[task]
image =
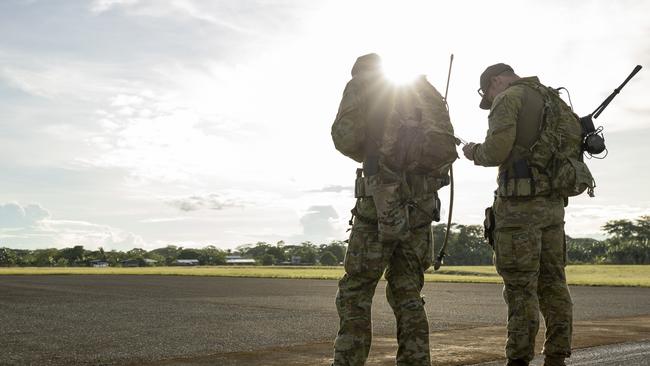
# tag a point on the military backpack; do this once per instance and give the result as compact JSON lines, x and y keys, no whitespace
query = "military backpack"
{"x":418,"y":136}
{"x":554,"y":163}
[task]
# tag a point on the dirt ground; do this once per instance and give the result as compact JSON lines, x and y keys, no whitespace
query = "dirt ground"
{"x":453,"y":347}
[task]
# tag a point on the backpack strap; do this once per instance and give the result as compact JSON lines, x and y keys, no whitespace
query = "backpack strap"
{"x":379,"y":100}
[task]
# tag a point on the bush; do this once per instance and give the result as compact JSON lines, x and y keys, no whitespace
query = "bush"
{"x":328,"y":259}
{"x":267,"y":260}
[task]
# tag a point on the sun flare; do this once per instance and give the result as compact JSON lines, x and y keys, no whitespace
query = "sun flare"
{"x":399,"y":70}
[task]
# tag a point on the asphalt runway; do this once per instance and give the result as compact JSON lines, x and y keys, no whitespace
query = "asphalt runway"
{"x":623,"y":354}
{"x":116,"y":320}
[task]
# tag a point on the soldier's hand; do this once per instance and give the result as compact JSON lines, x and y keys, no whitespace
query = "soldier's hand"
{"x":468,"y":150}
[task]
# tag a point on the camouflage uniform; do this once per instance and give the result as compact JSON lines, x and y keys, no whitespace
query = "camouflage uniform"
{"x":369,"y":254}
{"x":530,"y":248}
{"x":365,"y":262}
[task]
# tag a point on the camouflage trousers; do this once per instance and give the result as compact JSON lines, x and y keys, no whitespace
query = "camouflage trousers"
{"x":404,"y":263}
{"x":530,"y":256}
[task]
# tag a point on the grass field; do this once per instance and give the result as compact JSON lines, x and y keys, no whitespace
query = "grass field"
{"x":589,"y":275}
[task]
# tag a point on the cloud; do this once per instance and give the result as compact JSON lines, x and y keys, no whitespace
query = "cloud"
{"x":156,"y":220}
{"x":174,"y":9}
{"x":250,"y":18}
{"x":68,"y":232}
{"x":13,"y":215}
{"x":163,"y":135}
{"x":66,"y":80}
{"x":213,"y":201}
{"x":320,"y":222}
{"x":586,"y":220}
{"x":100,"y":6}
{"x":32,"y":226}
{"x":333,"y":188}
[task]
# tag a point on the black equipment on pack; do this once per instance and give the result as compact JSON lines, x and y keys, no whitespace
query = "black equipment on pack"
{"x":593,"y":141}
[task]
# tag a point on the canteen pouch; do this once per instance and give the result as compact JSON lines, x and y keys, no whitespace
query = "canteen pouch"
{"x":571,"y":177}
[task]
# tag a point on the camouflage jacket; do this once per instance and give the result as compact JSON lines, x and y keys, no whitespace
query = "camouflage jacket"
{"x":502,"y":135}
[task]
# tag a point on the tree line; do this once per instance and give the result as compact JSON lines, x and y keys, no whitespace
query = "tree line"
{"x":263,"y":253}
{"x":627,"y":243}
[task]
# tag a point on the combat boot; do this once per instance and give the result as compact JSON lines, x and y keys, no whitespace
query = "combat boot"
{"x":516,"y":363}
{"x":554,"y":361}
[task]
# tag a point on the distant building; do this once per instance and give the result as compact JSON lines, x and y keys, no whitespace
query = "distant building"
{"x":186,"y":262}
{"x":130,"y":263}
{"x":150,"y":262}
{"x":238,"y":260}
{"x":98,"y":263}
{"x":296,"y":260}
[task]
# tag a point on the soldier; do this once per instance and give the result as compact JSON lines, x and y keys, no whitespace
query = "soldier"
{"x":403,"y":137}
{"x":529,"y":126}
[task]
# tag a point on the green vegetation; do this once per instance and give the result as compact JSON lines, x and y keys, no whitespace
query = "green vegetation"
{"x":590,"y":275}
{"x":263,"y":253}
{"x":627,"y":244}
{"x":586,"y":274}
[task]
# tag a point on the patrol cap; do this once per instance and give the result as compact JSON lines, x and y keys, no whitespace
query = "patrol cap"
{"x":486,"y":76}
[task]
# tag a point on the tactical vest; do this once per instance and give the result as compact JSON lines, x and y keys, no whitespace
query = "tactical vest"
{"x":546,"y":157}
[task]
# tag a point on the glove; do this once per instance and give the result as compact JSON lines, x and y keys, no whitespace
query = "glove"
{"x":468,"y":150}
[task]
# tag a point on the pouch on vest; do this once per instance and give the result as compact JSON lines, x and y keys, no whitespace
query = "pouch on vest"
{"x":571,"y":177}
{"x":423,"y":210}
{"x":517,"y":181}
{"x":360,"y":185}
{"x":392,"y":213}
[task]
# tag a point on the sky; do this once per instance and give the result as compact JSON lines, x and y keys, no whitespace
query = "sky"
{"x":145,"y":123}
